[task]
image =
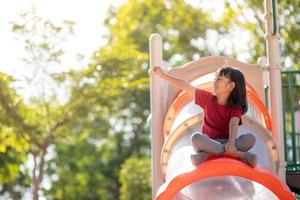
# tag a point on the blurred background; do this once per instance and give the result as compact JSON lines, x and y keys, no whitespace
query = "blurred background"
{"x":74,"y":85}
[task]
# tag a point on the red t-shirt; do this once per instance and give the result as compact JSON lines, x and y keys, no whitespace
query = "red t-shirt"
{"x":216,"y":117}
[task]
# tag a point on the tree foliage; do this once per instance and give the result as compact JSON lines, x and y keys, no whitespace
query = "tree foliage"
{"x":135,"y":180}
{"x":37,"y":121}
{"x":249,"y":18}
{"x":110,"y":98}
{"x":14,"y":141}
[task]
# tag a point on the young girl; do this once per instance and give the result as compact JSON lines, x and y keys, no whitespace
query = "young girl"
{"x":222,"y":116}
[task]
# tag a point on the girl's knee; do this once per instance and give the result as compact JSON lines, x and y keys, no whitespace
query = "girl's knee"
{"x":198,"y":137}
{"x":250,"y":139}
{"x":194,"y":137}
{"x":245,"y":142}
{"x":202,"y":142}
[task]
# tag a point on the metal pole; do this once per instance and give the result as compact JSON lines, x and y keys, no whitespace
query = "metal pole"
{"x":157,"y":112}
{"x":274,"y":67}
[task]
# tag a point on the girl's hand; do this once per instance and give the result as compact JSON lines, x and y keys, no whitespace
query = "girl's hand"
{"x":156,"y":70}
{"x":230,"y":149}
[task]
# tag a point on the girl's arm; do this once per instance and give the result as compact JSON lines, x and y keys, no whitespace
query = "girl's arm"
{"x":230,"y":147}
{"x":233,"y":128}
{"x":177,"y":82}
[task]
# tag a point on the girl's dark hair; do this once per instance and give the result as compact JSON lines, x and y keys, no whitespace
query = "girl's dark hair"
{"x":238,"y":96}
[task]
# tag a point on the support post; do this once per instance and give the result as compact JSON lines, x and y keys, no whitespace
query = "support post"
{"x":157,"y":112}
{"x":275,"y":87}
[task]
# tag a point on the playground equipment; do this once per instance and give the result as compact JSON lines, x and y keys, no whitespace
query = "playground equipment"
{"x":175,"y":117}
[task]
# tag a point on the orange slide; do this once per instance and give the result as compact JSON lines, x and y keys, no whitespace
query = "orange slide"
{"x":220,"y":177}
{"x":223,"y":174}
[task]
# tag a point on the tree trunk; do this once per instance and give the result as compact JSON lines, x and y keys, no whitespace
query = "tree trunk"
{"x":13,"y":195}
{"x":37,"y":179}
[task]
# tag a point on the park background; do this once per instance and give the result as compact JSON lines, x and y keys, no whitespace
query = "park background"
{"x":74,"y":85}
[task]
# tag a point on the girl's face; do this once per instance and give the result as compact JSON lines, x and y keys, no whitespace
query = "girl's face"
{"x":222,"y":85}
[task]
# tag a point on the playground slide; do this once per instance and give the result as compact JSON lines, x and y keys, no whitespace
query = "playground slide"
{"x":219,"y":177}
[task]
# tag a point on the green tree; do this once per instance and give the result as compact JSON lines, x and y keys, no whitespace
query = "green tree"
{"x":249,"y":18}
{"x":45,"y":114}
{"x":14,"y":141}
{"x":110,"y":98}
{"x":135,"y":180}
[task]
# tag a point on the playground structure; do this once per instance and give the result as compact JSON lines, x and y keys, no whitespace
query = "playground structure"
{"x":175,"y":117}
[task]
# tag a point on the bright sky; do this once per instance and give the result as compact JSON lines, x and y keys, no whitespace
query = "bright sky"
{"x":88,"y":15}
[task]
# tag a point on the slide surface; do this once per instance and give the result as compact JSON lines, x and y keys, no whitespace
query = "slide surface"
{"x":220,"y":178}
